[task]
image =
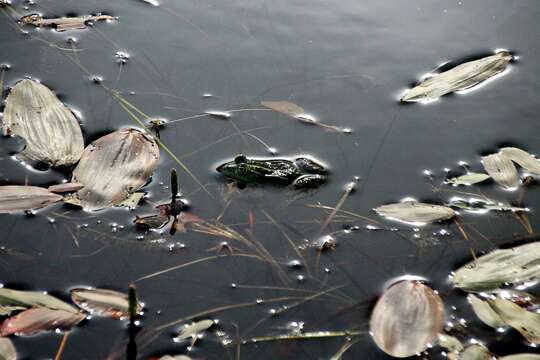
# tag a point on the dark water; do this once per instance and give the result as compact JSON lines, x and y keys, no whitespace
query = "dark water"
{"x":344,"y":61}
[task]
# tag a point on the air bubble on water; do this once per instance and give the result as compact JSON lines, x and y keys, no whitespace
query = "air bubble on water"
{"x":462,"y":163}
{"x":427,"y":172}
{"x":272,"y":150}
{"x":5,"y":67}
{"x":294,"y":263}
{"x":233,"y":285}
{"x":140,"y":237}
{"x":346,"y":131}
{"x":259,"y":301}
{"x":300,"y":278}
{"x":96,"y":79}
{"x":272,"y":311}
{"x":51,"y":220}
{"x":207,"y":95}
{"x":327,"y":270}
{"x":372,"y":227}
{"x":71,"y":40}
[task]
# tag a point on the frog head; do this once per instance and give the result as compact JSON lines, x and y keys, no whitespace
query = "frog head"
{"x":238,"y":170}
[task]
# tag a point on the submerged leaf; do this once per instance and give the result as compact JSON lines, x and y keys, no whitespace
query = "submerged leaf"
{"x":15,"y":198}
{"x":468,"y":179}
{"x":65,"y":188}
{"x":461,"y":77}
{"x":525,"y":321}
{"x":415,"y":212}
{"x":501,"y":169}
{"x":483,"y":310}
{"x":523,"y":159}
{"x":51,"y":131}
{"x":113,"y":167}
{"x":17,"y":300}
{"x":151,"y":221}
{"x":407,"y":319}
{"x":36,"y":320}
{"x":101,"y":302}
{"x":7,"y":350}
{"x":63,"y":23}
{"x":132,"y":201}
{"x":509,"y":266}
{"x":194,"y":329}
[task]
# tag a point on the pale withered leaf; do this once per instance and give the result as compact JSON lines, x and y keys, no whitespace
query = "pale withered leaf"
{"x":65,"y":188}
{"x":7,"y":350}
{"x":113,"y":167}
{"x":524,"y":321}
{"x":523,"y":159}
{"x":101,"y":302}
{"x":37,"y":320}
{"x":16,"y":198}
{"x":509,"y":266}
{"x":475,"y":352}
{"x":501,"y":169}
{"x":452,"y":345}
{"x":415,"y":212}
{"x":63,"y":23}
{"x":51,"y":132}
{"x":484,"y":312}
{"x":461,"y":77}
{"x":407,"y":319}
{"x":521,"y":357}
{"x":468,"y":179}
{"x":194,"y":329}
{"x":11,"y":300}
{"x":285,"y":107}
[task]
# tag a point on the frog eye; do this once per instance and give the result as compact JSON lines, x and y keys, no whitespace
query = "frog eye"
{"x":242,"y":169}
{"x":240,"y":159}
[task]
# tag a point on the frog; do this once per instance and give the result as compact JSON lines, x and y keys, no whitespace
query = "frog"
{"x":300,"y":172}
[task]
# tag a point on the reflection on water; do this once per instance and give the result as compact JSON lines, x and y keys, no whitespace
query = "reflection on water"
{"x":312,"y":259}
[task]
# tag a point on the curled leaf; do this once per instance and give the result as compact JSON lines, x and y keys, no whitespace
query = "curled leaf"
{"x":113,"y":167}
{"x":525,"y":321}
{"x":516,"y":266}
{"x":483,"y":310}
{"x":15,"y":198}
{"x":101,"y":302}
{"x":468,"y":179}
{"x":52,"y":134}
{"x":415,"y":212}
{"x":65,"y":188}
{"x":63,"y":23}
{"x":11,"y":300}
{"x":37,"y":320}
{"x":461,"y":77}
{"x":407,"y":319}
{"x":194,"y":329}
{"x":523,"y":159}
{"x":501,"y":169}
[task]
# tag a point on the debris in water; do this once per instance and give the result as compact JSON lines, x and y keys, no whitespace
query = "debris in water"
{"x":468,"y":179}
{"x":193,"y":330}
{"x":415,"y":212}
{"x":407,"y":319}
{"x":113,"y":167}
{"x":102,"y":302}
{"x":36,"y":320}
{"x":52,"y":134}
{"x":514,"y":266}
{"x":64,"y":23}
{"x":501,"y":169}
{"x":461,"y":77}
{"x":16,"y":198}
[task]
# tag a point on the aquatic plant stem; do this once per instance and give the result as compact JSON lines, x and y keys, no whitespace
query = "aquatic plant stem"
{"x":62,"y":346}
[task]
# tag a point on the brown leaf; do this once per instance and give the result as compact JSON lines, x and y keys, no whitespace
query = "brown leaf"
{"x":63,"y":23}
{"x":407,"y":318}
{"x":113,"y":167}
{"x":15,"y":198}
{"x":284,"y":107}
{"x":501,"y":169}
{"x":64,"y":188}
{"x":37,"y":320}
{"x":101,"y":302}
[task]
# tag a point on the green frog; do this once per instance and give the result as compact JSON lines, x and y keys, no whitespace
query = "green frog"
{"x":300,"y":172}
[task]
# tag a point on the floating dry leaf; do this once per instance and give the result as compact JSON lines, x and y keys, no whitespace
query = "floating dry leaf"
{"x":194,"y":329}
{"x":407,"y":319}
{"x":523,"y":159}
{"x":525,"y":321}
{"x":36,"y":320}
{"x":501,"y":169}
{"x":452,"y":345}
{"x":113,"y":167}
{"x":475,"y":352}
{"x":480,"y":205}
{"x":65,"y":188}
{"x":63,"y":23}
{"x":11,"y":300}
{"x":461,"y":77}
{"x":483,"y":310}
{"x":415,"y":212}
{"x":468,"y":179}
{"x":515,"y":266}
{"x":132,"y":201}
{"x":15,"y":198}
{"x":521,"y":357}
{"x":101,"y":302}
{"x":285,"y":107}
{"x":7,"y":350}
{"x":52,"y":134}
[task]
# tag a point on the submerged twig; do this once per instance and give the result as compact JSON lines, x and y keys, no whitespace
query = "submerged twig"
{"x":349,"y":188}
{"x":308,"y":335}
